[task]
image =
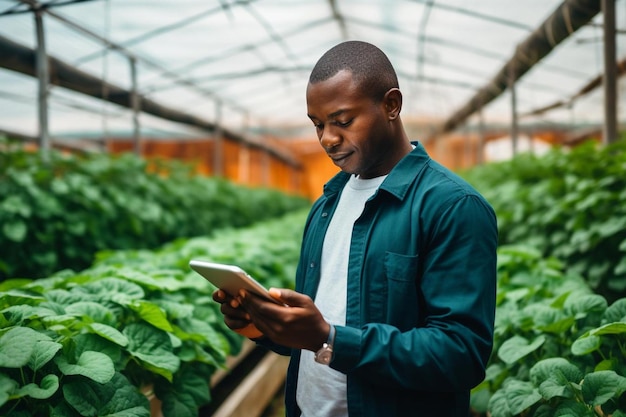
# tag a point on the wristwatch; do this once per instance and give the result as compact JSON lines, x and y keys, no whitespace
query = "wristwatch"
{"x":325,"y":354}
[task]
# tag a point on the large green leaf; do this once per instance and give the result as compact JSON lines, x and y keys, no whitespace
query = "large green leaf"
{"x":556,"y":377}
{"x":521,"y":395}
{"x":17,"y":345}
{"x":559,"y":368}
{"x":620,"y":268}
{"x":616,"y":311}
{"x":188,"y":392}
{"x":86,"y":342}
{"x":151,"y":313}
{"x":117,"y":398}
{"x":571,"y":408}
{"x":479,"y":400}
{"x":93,"y":365}
{"x":175,"y":309}
{"x":64,"y":297}
{"x":92,"y":311}
{"x":579,"y":305}
{"x":18,"y":314}
{"x":586,"y":344}
{"x":611,"y":328}
{"x":148,"y":280}
{"x":15,"y":204}
{"x":179,"y":404}
{"x":111,"y":289}
{"x":17,"y":296}
{"x":43,"y":352}
{"x":7,"y":386}
{"x":517,"y":347}
{"x":15,"y":231}
{"x":552,"y":388}
{"x":153,"y":348}
{"x":49,"y":385}
{"x":599,"y":387}
{"x":109,"y":333}
{"x":498,"y":405}
{"x":549,"y":319}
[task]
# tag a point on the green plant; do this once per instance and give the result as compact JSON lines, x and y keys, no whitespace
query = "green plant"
{"x":91,"y":343}
{"x":570,"y":204}
{"x":559,"y":348}
{"x":57,"y":214}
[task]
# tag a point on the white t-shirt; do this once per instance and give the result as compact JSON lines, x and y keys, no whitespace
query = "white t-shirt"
{"x":322,"y":390}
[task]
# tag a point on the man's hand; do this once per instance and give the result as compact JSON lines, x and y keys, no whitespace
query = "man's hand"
{"x":235,"y":317}
{"x":298,"y":324}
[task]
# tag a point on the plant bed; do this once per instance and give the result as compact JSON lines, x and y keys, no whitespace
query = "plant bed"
{"x":82,"y":344}
{"x":250,"y":387}
{"x":570,"y":204}
{"x":58,"y":213}
{"x":560,"y":349}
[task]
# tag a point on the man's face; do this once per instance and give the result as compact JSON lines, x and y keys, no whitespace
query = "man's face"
{"x":352,"y":127}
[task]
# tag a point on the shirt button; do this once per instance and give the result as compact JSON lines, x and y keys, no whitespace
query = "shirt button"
{"x":324,"y":214}
{"x":312,"y":265}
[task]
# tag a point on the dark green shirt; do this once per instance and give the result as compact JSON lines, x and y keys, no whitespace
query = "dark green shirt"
{"x":421,"y":292}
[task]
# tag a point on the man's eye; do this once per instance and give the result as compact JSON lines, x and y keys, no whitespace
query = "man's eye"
{"x":343,"y":124}
{"x":318,"y":126}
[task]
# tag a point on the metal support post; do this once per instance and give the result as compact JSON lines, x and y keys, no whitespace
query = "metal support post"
{"x":135,"y":103}
{"x":244,"y":155}
{"x":609,"y":133}
{"x":514,"y":132}
{"x":480,"y":151}
{"x":218,"y":150}
{"x":43,"y":75}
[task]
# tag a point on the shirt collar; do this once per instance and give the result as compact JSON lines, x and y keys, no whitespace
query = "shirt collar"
{"x":399,"y":179}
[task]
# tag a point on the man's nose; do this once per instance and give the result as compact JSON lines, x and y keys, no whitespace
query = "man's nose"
{"x":329,"y":139}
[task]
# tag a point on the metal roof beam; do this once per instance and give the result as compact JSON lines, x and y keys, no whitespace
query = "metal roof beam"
{"x":570,"y":16}
{"x":338,"y":18}
{"x":21,"y":59}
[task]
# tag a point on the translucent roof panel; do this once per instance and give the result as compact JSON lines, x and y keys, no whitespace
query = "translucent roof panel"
{"x":245,"y":64}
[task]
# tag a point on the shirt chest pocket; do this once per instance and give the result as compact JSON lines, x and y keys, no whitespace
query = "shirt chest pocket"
{"x":402,"y":273}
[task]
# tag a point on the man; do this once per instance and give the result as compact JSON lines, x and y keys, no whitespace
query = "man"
{"x":399,"y":256}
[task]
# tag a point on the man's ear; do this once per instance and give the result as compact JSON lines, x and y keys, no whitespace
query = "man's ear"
{"x":393,"y":103}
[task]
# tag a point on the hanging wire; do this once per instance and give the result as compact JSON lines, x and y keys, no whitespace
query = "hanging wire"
{"x":105,"y":70}
{"x":481,"y":16}
{"x":240,"y":49}
{"x":27,"y":6}
{"x":275,"y":37}
{"x":421,"y":38}
{"x":168,"y":28}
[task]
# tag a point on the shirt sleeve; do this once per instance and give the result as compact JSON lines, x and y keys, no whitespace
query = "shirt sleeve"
{"x":450,"y":350}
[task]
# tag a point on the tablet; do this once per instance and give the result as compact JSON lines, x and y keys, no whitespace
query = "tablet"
{"x":230,"y":278}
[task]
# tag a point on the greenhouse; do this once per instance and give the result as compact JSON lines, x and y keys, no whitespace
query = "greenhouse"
{"x":434,"y":191}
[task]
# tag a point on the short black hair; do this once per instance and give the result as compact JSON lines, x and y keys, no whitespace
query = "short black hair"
{"x":369,"y":66}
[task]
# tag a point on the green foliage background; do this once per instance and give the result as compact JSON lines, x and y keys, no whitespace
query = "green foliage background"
{"x":57,"y":214}
{"x":142,"y":317}
{"x":560,"y":349}
{"x":570,"y":204}
{"x":85,"y":344}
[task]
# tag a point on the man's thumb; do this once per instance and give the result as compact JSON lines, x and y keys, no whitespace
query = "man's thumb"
{"x":282,"y":295}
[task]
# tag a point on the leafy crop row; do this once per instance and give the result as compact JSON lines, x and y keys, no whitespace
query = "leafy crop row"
{"x":560,"y":349}
{"x":568,"y":204}
{"x":58,"y":214}
{"x":86,"y":344}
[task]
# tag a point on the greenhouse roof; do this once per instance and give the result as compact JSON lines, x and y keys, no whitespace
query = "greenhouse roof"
{"x":245,"y":64}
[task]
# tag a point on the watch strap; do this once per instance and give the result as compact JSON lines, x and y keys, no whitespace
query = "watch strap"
{"x":331,"y":336}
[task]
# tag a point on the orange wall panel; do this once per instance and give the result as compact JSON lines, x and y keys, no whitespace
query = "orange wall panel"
{"x":239,"y":163}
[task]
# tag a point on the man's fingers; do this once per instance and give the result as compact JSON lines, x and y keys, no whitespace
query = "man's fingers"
{"x":290,"y":297}
{"x":249,"y":331}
